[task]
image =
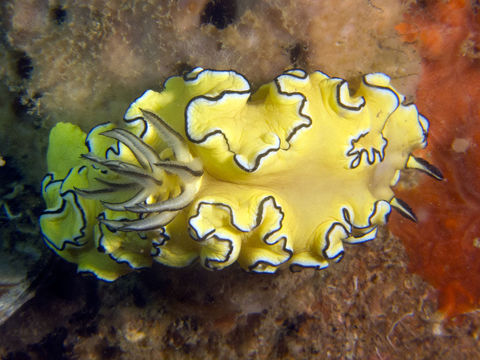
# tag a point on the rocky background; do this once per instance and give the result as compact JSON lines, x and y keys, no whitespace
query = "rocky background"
{"x":84,"y":62}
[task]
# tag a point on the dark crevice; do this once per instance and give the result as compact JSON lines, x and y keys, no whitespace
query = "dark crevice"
{"x":22,"y":106}
{"x":298,"y":55}
{"x":219,"y":13}
{"x":183,"y":68}
{"x":24,"y":66}
{"x":9,"y":174}
{"x":51,"y":346}
{"x":107,"y":352}
{"x":58,"y":15}
{"x":17,"y":355}
{"x":139,"y":298}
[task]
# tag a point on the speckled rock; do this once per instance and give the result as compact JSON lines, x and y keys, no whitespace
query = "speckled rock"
{"x":84,"y":62}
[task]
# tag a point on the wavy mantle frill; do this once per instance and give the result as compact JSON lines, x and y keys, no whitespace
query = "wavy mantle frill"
{"x":206,"y":169}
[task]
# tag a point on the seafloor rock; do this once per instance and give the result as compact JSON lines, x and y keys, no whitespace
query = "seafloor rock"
{"x":90,"y":58}
{"x":368,"y":306}
{"x":23,"y":258}
{"x":444,"y":248}
{"x":84,"y":62}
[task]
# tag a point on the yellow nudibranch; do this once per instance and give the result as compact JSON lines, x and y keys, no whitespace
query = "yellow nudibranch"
{"x":207,"y":169}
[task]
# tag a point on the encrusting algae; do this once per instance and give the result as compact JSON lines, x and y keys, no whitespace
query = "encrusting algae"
{"x":208,"y":170}
{"x":446,"y":252}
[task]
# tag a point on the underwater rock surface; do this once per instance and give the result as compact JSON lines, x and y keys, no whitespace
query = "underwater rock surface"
{"x":366,"y":305}
{"x":89,"y":58}
{"x":83,"y":62}
{"x":23,"y":259}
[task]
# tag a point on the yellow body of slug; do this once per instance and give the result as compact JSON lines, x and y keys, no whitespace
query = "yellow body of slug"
{"x":208,"y":170}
